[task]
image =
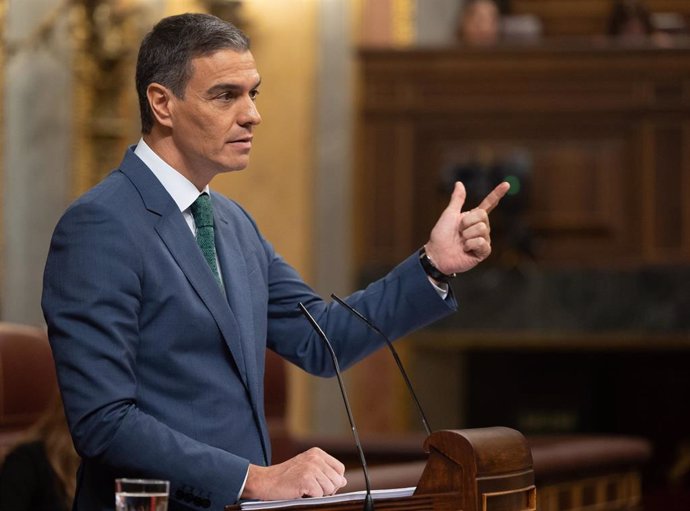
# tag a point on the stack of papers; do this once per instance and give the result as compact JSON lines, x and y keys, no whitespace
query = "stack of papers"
{"x":354,"y":496}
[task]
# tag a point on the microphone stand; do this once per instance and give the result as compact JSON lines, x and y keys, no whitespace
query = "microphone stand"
{"x":368,"y":500}
{"x":359,"y":316}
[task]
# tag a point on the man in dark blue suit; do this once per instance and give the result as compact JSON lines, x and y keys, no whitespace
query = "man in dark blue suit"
{"x":160,"y":308}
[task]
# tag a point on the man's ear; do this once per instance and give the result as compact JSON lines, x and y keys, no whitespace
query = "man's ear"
{"x":161,"y":99}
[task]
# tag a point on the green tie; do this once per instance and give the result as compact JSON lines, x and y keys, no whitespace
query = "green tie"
{"x":202,"y":210}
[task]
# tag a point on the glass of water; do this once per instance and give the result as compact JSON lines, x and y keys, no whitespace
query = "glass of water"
{"x":141,"y":495}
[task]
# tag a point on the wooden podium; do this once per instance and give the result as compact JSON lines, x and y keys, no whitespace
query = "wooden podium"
{"x":486,"y":469}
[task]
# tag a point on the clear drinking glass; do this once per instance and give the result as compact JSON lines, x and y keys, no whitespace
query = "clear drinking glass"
{"x":141,"y":495}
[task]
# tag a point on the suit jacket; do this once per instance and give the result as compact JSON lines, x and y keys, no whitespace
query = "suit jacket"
{"x":161,"y":370}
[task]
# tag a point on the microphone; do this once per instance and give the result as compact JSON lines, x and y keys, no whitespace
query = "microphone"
{"x":368,"y":500}
{"x":376,"y":329}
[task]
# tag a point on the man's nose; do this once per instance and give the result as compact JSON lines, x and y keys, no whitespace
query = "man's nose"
{"x":250,"y":113}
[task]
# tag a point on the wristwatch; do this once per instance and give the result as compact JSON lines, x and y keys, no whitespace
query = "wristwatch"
{"x":431,"y":270}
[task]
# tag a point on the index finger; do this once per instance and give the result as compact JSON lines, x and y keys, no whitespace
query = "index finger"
{"x":494,"y":197}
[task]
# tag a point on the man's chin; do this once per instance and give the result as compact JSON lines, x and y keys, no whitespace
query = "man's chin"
{"x":234,"y":167}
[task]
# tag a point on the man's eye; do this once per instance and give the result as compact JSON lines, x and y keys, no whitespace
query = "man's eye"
{"x":226,"y":96}
{"x":253,"y":94}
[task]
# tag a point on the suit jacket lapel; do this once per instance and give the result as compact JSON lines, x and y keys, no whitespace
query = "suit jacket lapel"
{"x":175,"y":233}
{"x":237,"y":288}
{"x":184,"y":249}
{"x":237,"y":283}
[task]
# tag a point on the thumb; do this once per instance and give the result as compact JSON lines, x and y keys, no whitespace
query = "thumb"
{"x":457,"y":199}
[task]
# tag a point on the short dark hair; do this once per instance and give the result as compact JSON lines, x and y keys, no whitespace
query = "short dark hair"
{"x":166,"y":53}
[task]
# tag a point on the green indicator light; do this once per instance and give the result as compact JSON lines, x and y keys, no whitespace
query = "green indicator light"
{"x":514,"y":185}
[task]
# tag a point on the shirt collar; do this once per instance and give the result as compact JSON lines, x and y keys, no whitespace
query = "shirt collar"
{"x":181,"y":189}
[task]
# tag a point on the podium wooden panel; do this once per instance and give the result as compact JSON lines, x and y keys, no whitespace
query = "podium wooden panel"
{"x":485,"y":469}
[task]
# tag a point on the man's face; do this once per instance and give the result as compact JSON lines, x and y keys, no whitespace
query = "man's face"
{"x":212,"y":124}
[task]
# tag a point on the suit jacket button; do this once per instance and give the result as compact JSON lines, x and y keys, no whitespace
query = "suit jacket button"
{"x":205,"y":503}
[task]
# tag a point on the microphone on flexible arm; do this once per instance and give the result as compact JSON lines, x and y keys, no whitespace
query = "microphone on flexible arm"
{"x":368,"y":500}
{"x":376,"y":329}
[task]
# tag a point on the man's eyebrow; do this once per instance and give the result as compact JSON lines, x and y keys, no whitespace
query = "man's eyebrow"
{"x":224,"y":87}
{"x":229,"y":87}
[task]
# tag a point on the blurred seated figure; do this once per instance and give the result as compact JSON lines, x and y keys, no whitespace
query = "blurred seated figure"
{"x":480,"y":23}
{"x":39,"y":473}
{"x":630,"y":21}
{"x":27,"y":380}
{"x":521,"y":28}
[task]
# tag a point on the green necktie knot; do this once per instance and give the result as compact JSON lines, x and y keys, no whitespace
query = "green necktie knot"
{"x":202,"y":211}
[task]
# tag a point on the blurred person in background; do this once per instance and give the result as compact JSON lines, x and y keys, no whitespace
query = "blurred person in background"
{"x":480,"y":23}
{"x":39,"y":473}
{"x":630,"y":21}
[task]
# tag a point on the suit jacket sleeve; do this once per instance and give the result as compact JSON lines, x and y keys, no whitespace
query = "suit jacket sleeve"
{"x":399,"y":303}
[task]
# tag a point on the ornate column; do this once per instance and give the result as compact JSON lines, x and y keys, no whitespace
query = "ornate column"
{"x":36,"y":157}
{"x":106,"y":120}
{"x":3,"y":187}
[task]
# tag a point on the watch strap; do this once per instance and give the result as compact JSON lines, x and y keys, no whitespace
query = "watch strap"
{"x":431,"y":270}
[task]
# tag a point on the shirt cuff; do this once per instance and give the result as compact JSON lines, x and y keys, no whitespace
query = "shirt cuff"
{"x":441,"y":288}
{"x":239,"y":495}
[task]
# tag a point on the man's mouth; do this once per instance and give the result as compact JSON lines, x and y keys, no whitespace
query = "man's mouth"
{"x":243,"y":142}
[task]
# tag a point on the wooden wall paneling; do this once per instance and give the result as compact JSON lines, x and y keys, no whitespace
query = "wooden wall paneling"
{"x":587,"y":117}
{"x":685,"y":187}
{"x":666,"y":179}
{"x":547,"y":79}
{"x":668,"y":190}
{"x":581,"y":190}
{"x":586,"y":200}
{"x":372,"y":185}
{"x":402,"y":185}
{"x":385,"y":181}
{"x":646,"y":199}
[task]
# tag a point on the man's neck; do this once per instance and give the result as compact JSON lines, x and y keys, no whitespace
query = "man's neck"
{"x":164,"y":147}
